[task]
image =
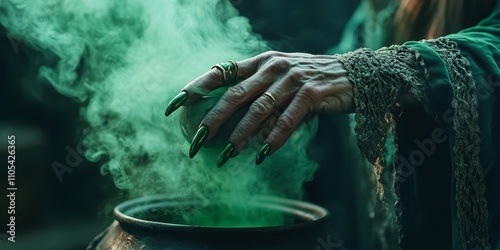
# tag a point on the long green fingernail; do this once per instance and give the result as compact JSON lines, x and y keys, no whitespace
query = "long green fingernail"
{"x":225,"y":155}
{"x":263,"y":153}
{"x":176,"y":102}
{"x":199,"y":138}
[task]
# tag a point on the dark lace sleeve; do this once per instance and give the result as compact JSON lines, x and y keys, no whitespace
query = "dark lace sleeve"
{"x":380,"y":79}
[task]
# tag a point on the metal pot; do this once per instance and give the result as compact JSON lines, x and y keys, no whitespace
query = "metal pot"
{"x":146,"y":223}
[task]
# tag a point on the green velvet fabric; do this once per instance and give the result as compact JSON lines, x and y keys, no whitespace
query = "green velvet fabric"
{"x":480,"y":45}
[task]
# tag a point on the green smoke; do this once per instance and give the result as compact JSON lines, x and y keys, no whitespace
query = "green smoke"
{"x":124,"y":60}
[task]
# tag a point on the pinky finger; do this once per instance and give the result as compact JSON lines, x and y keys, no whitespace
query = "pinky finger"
{"x":286,"y":124}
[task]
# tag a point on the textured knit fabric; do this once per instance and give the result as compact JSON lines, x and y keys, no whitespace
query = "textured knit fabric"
{"x":458,"y":73}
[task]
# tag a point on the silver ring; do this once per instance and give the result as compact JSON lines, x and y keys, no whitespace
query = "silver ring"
{"x":271,"y":98}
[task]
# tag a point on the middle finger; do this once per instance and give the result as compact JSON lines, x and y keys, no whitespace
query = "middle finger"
{"x":235,"y":97}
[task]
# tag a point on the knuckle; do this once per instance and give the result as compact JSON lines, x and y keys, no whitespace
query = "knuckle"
{"x":285,"y":124}
{"x":295,"y":75}
{"x":258,"y":110}
{"x":270,"y":54}
{"x":274,"y":60}
{"x":236,"y":94}
{"x":308,"y":91}
{"x":278,"y":64}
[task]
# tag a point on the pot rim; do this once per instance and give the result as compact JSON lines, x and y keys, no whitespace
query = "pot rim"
{"x":310,"y":213}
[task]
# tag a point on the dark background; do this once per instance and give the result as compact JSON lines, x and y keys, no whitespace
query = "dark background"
{"x":67,"y":214}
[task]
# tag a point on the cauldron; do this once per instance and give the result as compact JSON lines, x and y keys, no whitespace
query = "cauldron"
{"x":152,"y":223}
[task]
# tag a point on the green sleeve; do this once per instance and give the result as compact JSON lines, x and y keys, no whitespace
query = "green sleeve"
{"x":480,"y":46}
{"x":457,"y":79}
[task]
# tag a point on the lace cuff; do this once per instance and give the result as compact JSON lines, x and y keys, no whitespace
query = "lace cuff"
{"x":380,"y":79}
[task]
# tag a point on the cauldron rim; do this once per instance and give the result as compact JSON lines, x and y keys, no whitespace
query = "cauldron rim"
{"x":317,"y":215}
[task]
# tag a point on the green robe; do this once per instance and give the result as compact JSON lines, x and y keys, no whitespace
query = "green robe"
{"x":455,"y":159}
{"x":480,"y":45}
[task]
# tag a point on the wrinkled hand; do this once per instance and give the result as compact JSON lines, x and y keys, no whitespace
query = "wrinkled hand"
{"x":300,"y":83}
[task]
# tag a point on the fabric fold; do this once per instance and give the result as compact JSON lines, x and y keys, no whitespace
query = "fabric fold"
{"x":381,"y":79}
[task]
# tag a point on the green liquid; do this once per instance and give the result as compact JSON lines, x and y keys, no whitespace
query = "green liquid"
{"x":227,"y":216}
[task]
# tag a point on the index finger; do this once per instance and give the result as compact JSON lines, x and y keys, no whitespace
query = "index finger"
{"x":214,"y":79}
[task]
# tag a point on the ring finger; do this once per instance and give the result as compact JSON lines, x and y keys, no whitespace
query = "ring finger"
{"x":266,"y":105}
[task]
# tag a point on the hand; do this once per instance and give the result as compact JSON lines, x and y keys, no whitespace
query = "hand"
{"x":300,"y":84}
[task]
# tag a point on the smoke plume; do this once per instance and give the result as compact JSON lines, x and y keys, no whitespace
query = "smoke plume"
{"x":124,"y":60}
